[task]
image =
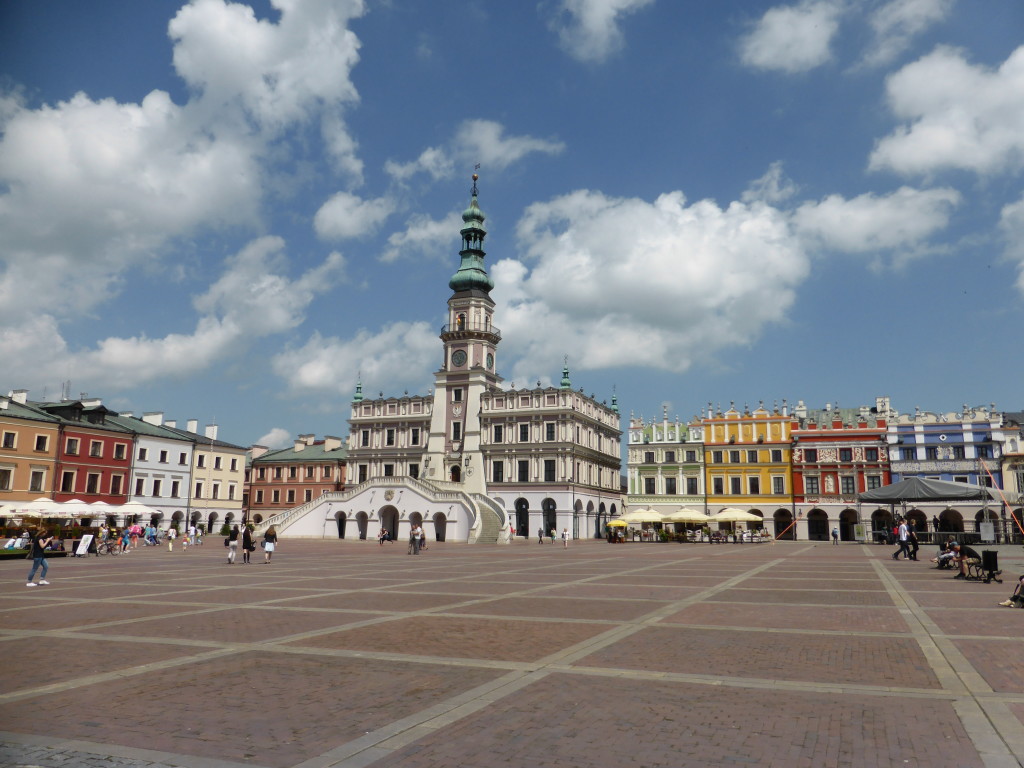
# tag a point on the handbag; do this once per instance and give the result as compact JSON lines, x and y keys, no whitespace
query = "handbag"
{"x":226,"y":542}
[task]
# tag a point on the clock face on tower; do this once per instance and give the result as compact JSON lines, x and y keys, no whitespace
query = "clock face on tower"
{"x":490,"y":361}
{"x":458,"y":358}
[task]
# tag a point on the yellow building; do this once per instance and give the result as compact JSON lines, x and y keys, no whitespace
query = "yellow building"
{"x":747,"y":464}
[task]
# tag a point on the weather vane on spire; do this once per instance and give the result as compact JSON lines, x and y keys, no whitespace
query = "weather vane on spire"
{"x":475,"y":177}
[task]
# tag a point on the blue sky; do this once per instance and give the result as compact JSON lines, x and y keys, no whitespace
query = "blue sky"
{"x":227,"y":211}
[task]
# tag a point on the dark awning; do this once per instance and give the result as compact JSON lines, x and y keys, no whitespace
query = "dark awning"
{"x":925,"y":489}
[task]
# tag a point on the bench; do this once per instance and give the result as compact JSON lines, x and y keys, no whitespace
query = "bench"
{"x":978,"y":568}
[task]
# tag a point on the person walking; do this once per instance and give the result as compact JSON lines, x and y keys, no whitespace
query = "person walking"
{"x":414,"y":540}
{"x":423,"y":537}
{"x":269,"y":544}
{"x":40,"y":542}
{"x":835,"y":537}
{"x":565,"y":538}
{"x":382,"y":536}
{"x":540,"y":535}
{"x":232,"y":545}
{"x":912,"y":538}
{"x":171,"y":533}
{"x":903,"y":534}
{"x":247,"y":544}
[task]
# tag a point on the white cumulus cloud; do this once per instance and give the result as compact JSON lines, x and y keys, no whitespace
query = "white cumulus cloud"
{"x":276,"y":438}
{"x":793,"y":38}
{"x":346,"y":215}
{"x":956,"y":116}
{"x":423,"y":236}
{"x":588,"y":30}
{"x":898,"y":22}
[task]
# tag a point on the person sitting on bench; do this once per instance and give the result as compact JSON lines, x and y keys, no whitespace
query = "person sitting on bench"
{"x":949,"y":553}
{"x":1017,"y":598}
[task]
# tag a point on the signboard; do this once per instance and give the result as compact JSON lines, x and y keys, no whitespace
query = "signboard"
{"x":988,"y":532}
{"x":860,"y":532}
{"x":83,"y":545}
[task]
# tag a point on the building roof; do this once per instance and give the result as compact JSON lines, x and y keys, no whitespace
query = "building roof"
{"x":314,"y":452}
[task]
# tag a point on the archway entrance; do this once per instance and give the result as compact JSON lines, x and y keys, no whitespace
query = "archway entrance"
{"x":440,"y":526}
{"x":456,"y":473}
{"x":847,"y":521}
{"x":523,"y":517}
{"x":389,"y":521}
{"x":340,"y":519}
{"x":817,"y":525}
{"x":951,"y":520}
{"x":550,"y":515}
{"x":784,"y":528}
{"x":362,"y":522}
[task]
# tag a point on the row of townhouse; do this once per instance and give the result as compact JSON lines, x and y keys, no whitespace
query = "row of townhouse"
{"x":803,"y":471}
{"x":80,"y":450}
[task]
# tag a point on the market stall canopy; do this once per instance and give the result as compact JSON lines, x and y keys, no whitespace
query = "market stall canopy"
{"x":686,"y":515}
{"x":734,"y":515}
{"x":617,"y":524}
{"x":643,"y":516}
{"x":926,"y":489}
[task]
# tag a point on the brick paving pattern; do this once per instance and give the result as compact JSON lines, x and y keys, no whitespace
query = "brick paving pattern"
{"x":348,"y":654}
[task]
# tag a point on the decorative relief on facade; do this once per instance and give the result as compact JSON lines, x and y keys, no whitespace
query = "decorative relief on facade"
{"x":828,"y":455}
{"x":830,"y":484}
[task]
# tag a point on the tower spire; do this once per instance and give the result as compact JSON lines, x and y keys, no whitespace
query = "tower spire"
{"x":472,"y":275}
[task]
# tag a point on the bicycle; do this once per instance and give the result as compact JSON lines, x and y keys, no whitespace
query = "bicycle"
{"x":108,"y":547}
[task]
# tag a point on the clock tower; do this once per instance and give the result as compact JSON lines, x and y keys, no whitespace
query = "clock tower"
{"x":468,"y":369}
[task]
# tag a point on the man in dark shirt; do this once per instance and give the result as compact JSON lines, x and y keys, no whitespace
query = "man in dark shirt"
{"x":40,"y":542}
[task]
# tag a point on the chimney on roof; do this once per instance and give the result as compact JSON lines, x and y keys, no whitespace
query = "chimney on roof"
{"x":126,"y":414}
{"x":171,"y":423}
{"x":211,"y":432}
{"x":192,"y":425}
{"x":258,"y":450}
{"x":331,"y":443}
{"x":300,"y":443}
{"x":156,"y":418}
{"x":19,"y":396}
{"x":5,"y":403}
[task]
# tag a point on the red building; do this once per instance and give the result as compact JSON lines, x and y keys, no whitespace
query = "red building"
{"x":838,"y":454}
{"x":289,"y":477}
{"x":94,"y":458}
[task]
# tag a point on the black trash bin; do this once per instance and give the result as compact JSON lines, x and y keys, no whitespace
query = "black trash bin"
{"x":990,"y":565}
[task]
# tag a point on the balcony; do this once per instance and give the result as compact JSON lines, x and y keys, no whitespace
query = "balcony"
{"x":470,"y":329}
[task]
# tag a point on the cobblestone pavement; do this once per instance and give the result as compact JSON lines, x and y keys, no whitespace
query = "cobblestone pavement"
{"x":349,"y":654}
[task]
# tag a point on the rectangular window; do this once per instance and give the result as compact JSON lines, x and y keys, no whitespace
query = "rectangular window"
{"x":43,"y":442}
{"x":735,"y":486}
{"x":524,"y":433}
{"x":278,"y":473}
{"x":908,"y":454}
{"x":293,"y":473}
{"x":734,"y":457}
{"x":779,"y":486}
{"x":71,"y":446}
{"x":776,"y":456}
{"x":201,"y":461}
{"x":115,"y":485}
{"x":259,"y":497}
{"x":754,"y":484}
{"x":11,"y":441}
{"x":414,"y":470}
{"x":234,"y":465}
{"x":175,"y":489}
{"x":120,"y":451}
{"x":6,"y":478}
{"x":718,"y":485}
{"x":456,"y":395}
{"x":457,"y":431}
{"x":310,"y":472}
{"x":811,"y":456}
{"x":670,"y":457}
{"x":216,"y":491}
{"x":414,"y":438}
{"x":67,"y":482}
{"x":811,"y":486}
{"x":183,"y":458}
{"x":984,"y":451}
{"x":691,"y":455}
{"x":751,"y":457}
{"x":691,"y":486}
{"x":846,"y":454}
{"x":199,"y":491}
{"x":874,"y":481}
{"x":389,"y":470}
{"x":498,"y":472}
{"x":649,"y":485}
{"x":648,"y":457}
{"x":275,"y":497}
{"x":670,"y":486}
{"x":216,"y":462}
{"x":716,"y":457}
{"x":549,"y":431}
{"x":848,"y":485}
{"x":389,"y":437}
{"x":524,"y":471}
{"x":157,"y":487}
{"x":549,"y":470}
{"x":92,"y":482}
{"x":362,"y":473}
{"x":499,"y":433}
{"x":958,"y":452}
{"x":36,"y":481}
{"x":931,"y":453}
{"x":871,"y":454}
{"x":261,"y":473}
{"x":231,"y":491}
{"x":163,"y":457}
{"x":307,"y":495}
{"x":140,"y":486}
{"x":365,"y":438}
